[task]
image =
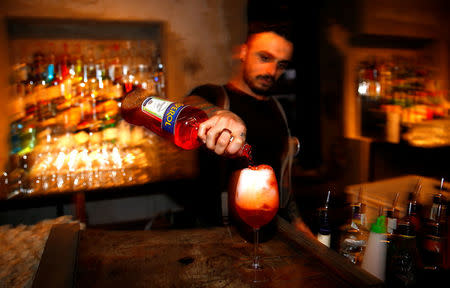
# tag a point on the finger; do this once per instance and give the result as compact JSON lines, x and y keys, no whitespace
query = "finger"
{"x":222,"y":142}
{"x":203,"y":129}
{"x":212,"y":135}
{"x":235,"y":145}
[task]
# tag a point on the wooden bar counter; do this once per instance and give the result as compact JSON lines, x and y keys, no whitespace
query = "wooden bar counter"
{"x":206,"y":257}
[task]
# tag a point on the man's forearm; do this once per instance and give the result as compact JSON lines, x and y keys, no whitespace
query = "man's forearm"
{"x":201,"y":103}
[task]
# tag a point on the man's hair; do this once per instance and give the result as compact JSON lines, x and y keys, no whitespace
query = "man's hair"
{"x":284,"y":29}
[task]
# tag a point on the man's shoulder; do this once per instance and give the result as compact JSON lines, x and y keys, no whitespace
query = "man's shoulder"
{"x":206,"y":89}
{"x":211,"y":92}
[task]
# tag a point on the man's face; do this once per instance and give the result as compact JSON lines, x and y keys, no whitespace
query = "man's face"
{"x":265,"y":57}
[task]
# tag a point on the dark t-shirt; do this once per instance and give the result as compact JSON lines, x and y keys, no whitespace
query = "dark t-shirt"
{"x":266,"y":133}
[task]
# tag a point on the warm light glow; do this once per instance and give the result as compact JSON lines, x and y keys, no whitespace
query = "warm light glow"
{"x":363,"y":87}
{"x":59,"y":162}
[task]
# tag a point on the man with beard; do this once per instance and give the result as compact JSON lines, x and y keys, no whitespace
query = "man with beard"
{"x":243,"y":111}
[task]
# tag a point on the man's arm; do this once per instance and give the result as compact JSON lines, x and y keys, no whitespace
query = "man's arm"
{"x":201,"y":103}
{"x":296,"y":219}
{"x":224,"y":132}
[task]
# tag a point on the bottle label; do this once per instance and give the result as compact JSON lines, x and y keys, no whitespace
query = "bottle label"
{"x":166,"y":112}
{"x":324,"y":239}
{"x":392,"y":225}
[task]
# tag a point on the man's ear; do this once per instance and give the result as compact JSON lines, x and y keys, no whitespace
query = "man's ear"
{"x":243,"y":52}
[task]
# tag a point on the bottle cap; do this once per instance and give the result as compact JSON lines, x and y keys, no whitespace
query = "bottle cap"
{"x":380,"y":225}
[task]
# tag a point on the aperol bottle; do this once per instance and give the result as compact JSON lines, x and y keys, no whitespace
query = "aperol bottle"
{"x":174,"y":121}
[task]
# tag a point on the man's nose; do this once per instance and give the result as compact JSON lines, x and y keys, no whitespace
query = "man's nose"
{"x":271,"y":69}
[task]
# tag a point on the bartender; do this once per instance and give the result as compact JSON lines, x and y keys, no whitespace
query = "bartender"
{"x":244,"y":111}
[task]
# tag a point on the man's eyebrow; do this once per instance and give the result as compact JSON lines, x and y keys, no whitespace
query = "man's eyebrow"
{"x":287,"y":61}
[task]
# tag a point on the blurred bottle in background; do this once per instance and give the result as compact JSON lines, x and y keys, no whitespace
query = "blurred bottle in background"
{"x":434,"y":247}
{"x":68,"y":119}
{"x":403,"y":259}
{"x":354,"y":235}
{"x":324,"y":234}
{"x":392,"y":215}
{"x":374,"y":260}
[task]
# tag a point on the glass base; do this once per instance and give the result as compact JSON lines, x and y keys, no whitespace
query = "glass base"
{"x":255,"y":272}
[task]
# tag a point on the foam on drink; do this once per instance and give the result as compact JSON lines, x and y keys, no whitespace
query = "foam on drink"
{"x":256,"y":197}
{"x":256,"y":189}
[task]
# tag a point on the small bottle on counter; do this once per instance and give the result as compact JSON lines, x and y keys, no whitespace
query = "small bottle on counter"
{"x":354,"y":236}
{"x":412,"y":208}
{"x":324,"y":234}
{"x":435,"y":235}
{"x":374,"y":260}
{"x":362,"y":206}
{"x":392,"y":216}
{"x":403,"y":259}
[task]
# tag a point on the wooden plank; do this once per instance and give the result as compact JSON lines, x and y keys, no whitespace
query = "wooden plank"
{"x":351,"y":273}
{"x":58,"y":263}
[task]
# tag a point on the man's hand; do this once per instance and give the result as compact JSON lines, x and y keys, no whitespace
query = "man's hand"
{"x":224,"y":132}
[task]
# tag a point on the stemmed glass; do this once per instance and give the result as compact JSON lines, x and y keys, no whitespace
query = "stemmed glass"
{"x":256,"y":202}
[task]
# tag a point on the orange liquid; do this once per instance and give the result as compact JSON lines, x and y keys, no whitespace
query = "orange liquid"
{"x":256,"y":217}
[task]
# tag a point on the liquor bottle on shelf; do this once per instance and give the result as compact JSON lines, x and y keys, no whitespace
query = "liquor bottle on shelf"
{"x":324,"y":234}
{"x":354,"y":237}
{"x":64,"y":63}
{"x":17,"y":113}
{"x":115,"y":65}
{"x":90,"y":65}
{"x":37,"y":68}
{"x":76,"y":65}
{"x":173,"y":121}
{"x":51,"y":70}
{"x":4,"y":184}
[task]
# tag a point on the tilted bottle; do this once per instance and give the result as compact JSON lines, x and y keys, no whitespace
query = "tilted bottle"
{"x":174,"y":121}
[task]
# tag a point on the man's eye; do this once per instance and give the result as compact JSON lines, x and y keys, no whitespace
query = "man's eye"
{"x":282,"y":66}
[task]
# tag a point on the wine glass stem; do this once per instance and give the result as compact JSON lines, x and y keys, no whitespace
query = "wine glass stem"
{"x":256,"y":264}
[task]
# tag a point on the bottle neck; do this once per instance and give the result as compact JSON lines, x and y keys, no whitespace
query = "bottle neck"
{"x":357,"y":215}
{"x":246,"y":152}
{"x":323,"y":218}
{"x":411,"y":209}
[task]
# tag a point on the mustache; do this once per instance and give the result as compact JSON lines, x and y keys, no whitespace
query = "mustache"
{"x":266,"y":77}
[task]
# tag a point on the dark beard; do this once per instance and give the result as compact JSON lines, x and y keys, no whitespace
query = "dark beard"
{"x":256,"y":90}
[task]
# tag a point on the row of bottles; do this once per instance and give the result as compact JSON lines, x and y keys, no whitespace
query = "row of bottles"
{"x":129,"y":63}
{"x":66,"y":131}
{"x":408,"y":86}
{"x":402,"y":251}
